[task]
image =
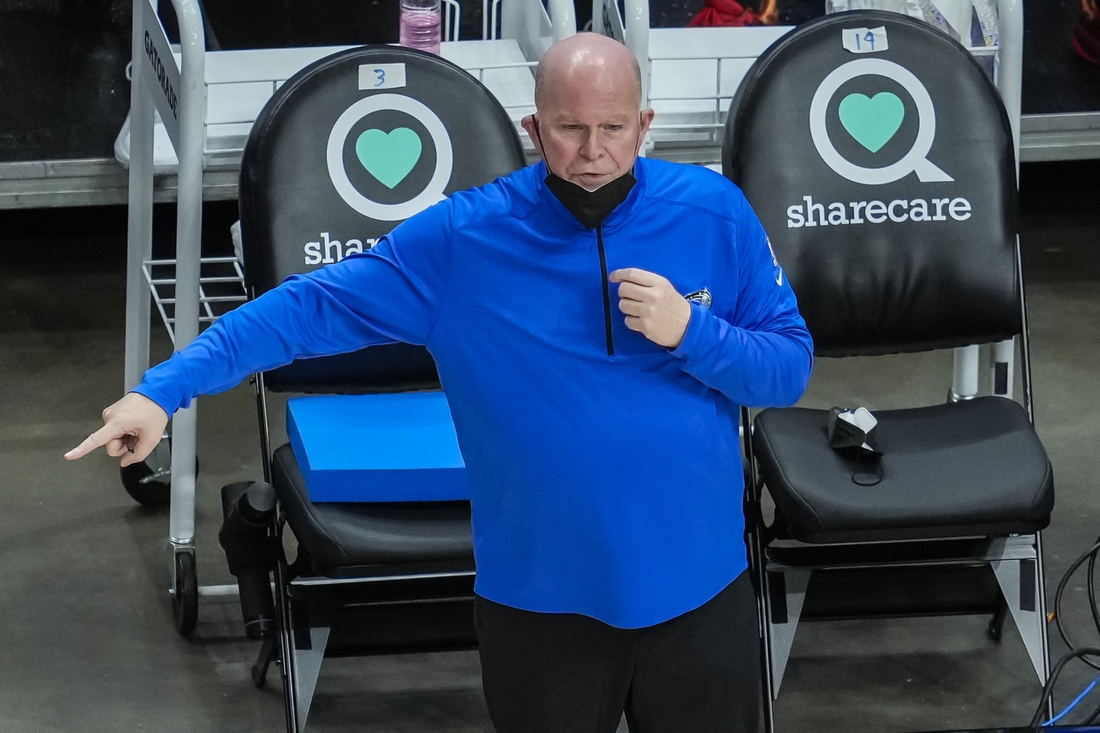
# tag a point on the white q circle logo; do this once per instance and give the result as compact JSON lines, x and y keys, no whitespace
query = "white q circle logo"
{"x":444,"y":157}
{"x":915,"y":161}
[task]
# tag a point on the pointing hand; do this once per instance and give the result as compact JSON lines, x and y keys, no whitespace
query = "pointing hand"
{"x":132,"y":427}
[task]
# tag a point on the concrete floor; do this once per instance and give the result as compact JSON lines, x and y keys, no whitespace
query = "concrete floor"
{"x":86,"y":637}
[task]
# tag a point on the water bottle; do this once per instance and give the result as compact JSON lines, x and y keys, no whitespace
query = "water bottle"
{"x":421,"y":24}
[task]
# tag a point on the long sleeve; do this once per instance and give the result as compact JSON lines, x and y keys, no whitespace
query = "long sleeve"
{"x":760,"y":354}
{"x":390,"y":293}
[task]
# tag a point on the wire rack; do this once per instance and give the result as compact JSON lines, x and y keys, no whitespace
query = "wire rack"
{"x":221,"y":288}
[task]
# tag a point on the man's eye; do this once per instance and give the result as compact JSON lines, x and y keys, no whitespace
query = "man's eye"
{"x":613,"y":128}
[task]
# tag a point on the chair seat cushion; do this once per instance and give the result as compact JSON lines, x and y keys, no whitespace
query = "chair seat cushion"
{"x":358,"y":539}
{"x":968,"y":468}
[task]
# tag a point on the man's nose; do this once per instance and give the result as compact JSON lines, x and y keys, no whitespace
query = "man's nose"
{"x":590,"y":147}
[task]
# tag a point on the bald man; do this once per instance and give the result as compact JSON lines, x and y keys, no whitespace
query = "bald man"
{"x":596,"y":319}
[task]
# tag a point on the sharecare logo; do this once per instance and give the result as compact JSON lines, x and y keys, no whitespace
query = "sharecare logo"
{"x":329,"y":250}
{"x":872,"y":121}
{"x":811,"y":214}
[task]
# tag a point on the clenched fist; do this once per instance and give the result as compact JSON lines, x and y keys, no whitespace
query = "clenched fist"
{"x":132,"y":427}
{"x":652,"y":306}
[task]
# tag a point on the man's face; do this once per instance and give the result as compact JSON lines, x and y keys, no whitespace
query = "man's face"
{"x":589,"y":127}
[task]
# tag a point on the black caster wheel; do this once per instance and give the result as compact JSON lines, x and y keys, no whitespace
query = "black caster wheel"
{"x":149,"y":482}
{"x":185,"y":596}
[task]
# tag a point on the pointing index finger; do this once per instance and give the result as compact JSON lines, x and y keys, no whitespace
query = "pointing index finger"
{"x":93,"y":441}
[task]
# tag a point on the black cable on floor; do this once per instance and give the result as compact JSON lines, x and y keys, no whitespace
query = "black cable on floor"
{"x":1048,"y":688}
{"x":1090,"y":555}
{"x":1092,"y":589}
{"x":1075,"y":652}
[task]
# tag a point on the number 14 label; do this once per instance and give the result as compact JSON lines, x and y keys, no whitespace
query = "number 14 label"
{"x":865,"y":40}
{"x":381,"y":76}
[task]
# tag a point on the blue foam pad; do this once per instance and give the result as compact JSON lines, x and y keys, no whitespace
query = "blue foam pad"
{"x":387,"y":447}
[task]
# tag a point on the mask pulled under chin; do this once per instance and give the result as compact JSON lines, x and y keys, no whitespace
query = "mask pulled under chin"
{"x":591,"y":207}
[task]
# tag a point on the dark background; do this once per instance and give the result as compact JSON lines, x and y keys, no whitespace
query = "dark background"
{"x":64,"y":94}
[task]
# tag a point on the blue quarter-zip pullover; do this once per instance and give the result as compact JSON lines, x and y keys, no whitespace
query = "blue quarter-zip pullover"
{"x":605,"y":470}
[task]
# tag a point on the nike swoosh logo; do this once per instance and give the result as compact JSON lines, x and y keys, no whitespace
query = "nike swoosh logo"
{"x":779,"y":278}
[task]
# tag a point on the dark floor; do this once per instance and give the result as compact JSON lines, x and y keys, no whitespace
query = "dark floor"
{"x":86,"y":637}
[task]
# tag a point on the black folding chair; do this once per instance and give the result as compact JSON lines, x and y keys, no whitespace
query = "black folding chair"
{"x":879,"y":157}
{"x":307,"y":198}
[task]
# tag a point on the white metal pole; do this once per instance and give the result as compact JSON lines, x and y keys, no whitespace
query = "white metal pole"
{"x":636,"y":30}
{"x":563,"y":18}
{"x":1010,"y":72}
{"x":188,"y":250}
{"x":1010,"y":64}
{"x":965,"y":383}
{"x":139,"y":225}
{"x":636,"y":35}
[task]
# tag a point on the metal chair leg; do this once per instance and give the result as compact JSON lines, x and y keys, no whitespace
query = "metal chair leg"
{"x":286,"y":647}
{"x":263,"y":661}
{"x":789,"y":589}
{"x":1022,"y":587}
{"x":997,"y":623}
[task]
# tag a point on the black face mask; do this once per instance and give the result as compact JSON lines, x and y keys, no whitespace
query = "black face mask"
{"x":589,"y":207}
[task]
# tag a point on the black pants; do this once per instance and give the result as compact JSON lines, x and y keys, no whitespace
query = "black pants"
{"x":566,"y":673}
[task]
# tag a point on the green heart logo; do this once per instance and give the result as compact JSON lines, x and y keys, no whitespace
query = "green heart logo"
{"x":391,"y":156}
{"x":872,"y":121}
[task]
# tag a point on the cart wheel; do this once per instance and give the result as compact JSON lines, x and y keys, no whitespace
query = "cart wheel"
{"x":149,"y":482}
{"x":185,"y":599}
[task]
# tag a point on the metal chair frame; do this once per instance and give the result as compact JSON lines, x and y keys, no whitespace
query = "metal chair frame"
{"x":305,"y":605}
{"x":782,"y":570}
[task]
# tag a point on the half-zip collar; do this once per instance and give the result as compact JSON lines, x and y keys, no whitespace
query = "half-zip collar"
{"x":591,"y":207}
{"x":606,"y":292}
{"x":619,"y":216}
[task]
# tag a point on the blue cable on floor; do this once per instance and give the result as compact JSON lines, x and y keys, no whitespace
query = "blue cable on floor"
{"x":1073,"y":704}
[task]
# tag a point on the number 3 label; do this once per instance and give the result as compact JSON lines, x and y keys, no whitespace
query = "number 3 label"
{"x":865,"y":40}
{"x":381,"y":76}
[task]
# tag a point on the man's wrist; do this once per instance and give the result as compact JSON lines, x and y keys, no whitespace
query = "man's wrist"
{"x":682,"y":346}
{"x":686,"y":320}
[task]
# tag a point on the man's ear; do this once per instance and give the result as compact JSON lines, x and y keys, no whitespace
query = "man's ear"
{"x":530,"y":124}
{"x":646,"y":119}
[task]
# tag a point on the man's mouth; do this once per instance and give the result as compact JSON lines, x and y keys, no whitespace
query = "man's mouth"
{"x":593,"y":178}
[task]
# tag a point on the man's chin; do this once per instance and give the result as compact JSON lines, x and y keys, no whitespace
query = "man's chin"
{"x":591,"y":183}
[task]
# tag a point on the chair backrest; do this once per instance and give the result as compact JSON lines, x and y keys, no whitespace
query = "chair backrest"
{"x":343,"y":152}
{"x":879,"y":157}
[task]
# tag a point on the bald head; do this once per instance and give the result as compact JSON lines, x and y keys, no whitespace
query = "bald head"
{"x":586,"y":60}
{"x":588,"y":125}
